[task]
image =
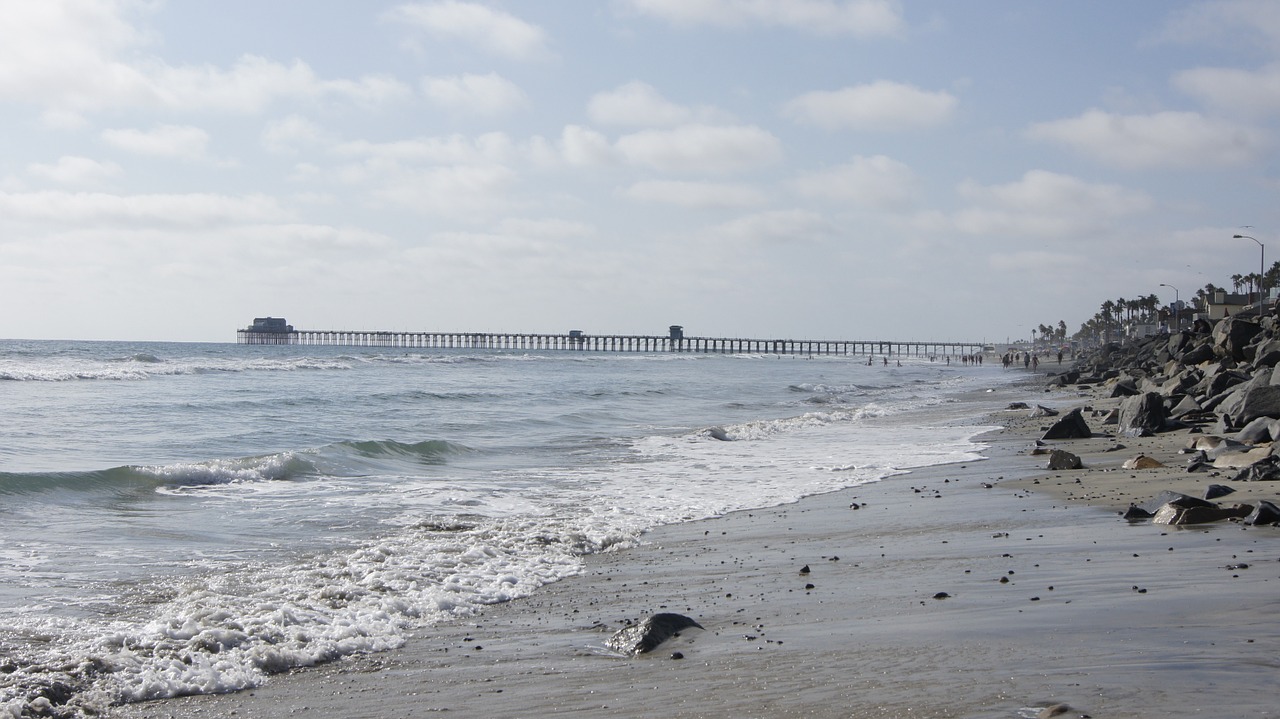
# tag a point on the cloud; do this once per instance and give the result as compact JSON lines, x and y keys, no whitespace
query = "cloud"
{"x":77,"y":57}
{"x":1163,"y":139}
{"x":702,"y":148}
{"x":487,"y":95}
{"x":181,"y":142}
{"x":456,"y":149}
{"x":585,"y":147}
{"x":877,"y":182}
{"x":491,"y":30}
{"x":698,"y":195}
{"x":288,"y":134}
{"x":154,"y":210}
{"x":860,"y":18}
{"x":1045,"y":204}
{"x":638,"y":104}
{"x":1226,"y":22}
{"x":72,"y":170}
{"x":1230,"y":90}
{"x":777,"y":227}
{"x":881,"y":106}
{"x":464,"y":192}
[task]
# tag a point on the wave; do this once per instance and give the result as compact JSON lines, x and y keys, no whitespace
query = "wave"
{"x":344,"y":459}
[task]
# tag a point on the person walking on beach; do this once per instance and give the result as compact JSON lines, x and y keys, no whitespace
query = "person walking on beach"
{"x":1026,"y":360}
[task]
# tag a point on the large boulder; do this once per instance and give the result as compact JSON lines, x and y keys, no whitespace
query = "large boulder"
{"x":1071,"y":426}
{"x":1142,"y":415}
{"x":1059,"y":460}
{"x":1202,"y":352}
{"x":1233,"y":334}
{"x":1264,"y":513}
{"x":1266,"y":469}
{"x":1251,"y":401}
{"x":1173,"y":514}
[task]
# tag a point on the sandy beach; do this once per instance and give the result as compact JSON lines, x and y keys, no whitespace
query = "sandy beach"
{"x":991,"y":588}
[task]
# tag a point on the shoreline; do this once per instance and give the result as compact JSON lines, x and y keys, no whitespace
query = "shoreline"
{"x":862,"y":634}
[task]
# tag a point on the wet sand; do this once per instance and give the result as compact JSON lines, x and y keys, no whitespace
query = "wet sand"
{"x":1050,"y":598}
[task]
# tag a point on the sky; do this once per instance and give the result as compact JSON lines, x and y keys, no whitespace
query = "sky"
{"x":923,"y":170}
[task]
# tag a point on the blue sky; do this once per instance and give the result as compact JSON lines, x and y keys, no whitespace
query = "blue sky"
{"x":764,"y":168}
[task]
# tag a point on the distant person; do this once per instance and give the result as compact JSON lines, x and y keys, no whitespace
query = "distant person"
{"x":1059,"y":356}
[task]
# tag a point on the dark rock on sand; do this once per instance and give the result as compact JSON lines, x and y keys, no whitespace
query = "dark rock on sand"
{"x":1264,"y":513}
{"x":648,"y":634}
{"x":1175,"y":515}
{"x":1071,"y":426}
{"x":1177,"y":499}
{"x":1043,"y":411}
{"x":1059,"y":459}
{"x":1264,"y":470}
{"x":1214,"y":491}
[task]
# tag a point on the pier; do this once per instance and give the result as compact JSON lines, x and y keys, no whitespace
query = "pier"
{"x":277,"y":333}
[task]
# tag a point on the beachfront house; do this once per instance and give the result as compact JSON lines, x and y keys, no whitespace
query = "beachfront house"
{"x":1225,"y":304}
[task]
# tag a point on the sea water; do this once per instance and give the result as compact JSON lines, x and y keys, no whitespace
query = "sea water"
{"x":188,"y":518}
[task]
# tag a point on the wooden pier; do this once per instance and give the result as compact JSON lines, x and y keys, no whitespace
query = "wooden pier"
{"x":604,"y":343}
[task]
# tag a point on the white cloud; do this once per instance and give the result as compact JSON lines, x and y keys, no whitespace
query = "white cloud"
{"x":490,"y":147}
{"x":155,"y":210}
{"x":1163,"y":139}
{"x":881,"y":105}
{"x":780,"y":226}
{"x":287,"y":134}
{"x":464,"y":192}
{"x":585,"y":147}
{"x":700,"y":195}
{"x":492,"y":30}
{"x":546,"y":228}
{"x":1045,"y":204}
{"x":1234,"y":91}
{"x":1226,"y":22}
{"x":877,"y":182}
{"x":174,"y":141}
{"x":638,"y":104}
{"x":489,"y":94}
{"x":72,"y":170}
{"x":702,"y":148}
{"x":860,"y":18}
{"x":77,"y":57}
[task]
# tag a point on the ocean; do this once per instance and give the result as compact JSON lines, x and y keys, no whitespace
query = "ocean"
{"x":192,"y":518}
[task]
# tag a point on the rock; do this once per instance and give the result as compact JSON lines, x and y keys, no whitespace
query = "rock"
{"x":1059,"y":459}
{"x":1142,"y":415}
{"x":1126,"y":387}
{"x":1252,"y":400}
{"x":1214,"y":491}
{"x":1264,"y":513}
{"x":1174,"y":515}
{"x":1233,"y":334}
{"x":1177,"y":499}
{"x":1018,"y":405}
{"x":646,"y":635}
{"x":1071,"y":426}
{"x":1200,"y":353}
{"x":1142,"y":461}
{"x":1212,"y":445}
{"x":1056,"y":710}
{"x":1042,"y":411}
{"x":1188,"y":406}
{"x":1266,"y":469}
{"x":1236,"y":460}
{"x":1262,"y":429}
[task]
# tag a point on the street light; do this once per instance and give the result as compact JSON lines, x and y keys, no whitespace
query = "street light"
{"x":1176,"y":324}
{"x":1262,"y":252}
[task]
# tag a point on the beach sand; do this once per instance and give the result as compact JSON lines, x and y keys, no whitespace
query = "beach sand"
{"x":1050,"y":598}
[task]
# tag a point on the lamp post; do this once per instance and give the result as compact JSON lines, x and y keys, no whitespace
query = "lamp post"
{"x":1176,"y":325}
{"x":1262,"y":252}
